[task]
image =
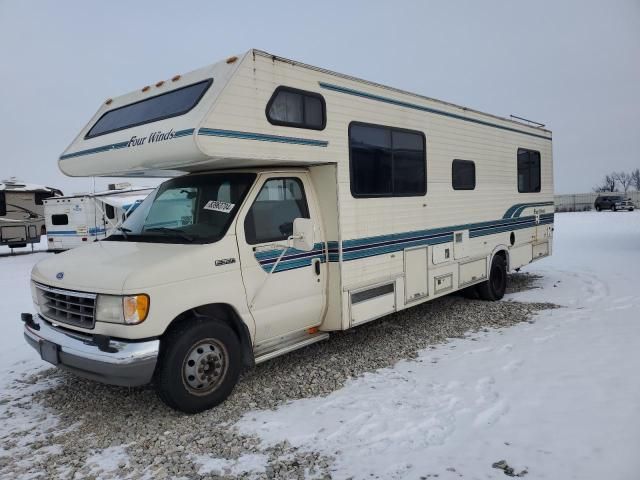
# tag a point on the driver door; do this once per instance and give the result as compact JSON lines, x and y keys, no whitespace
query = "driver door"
{"x":291,"y":298}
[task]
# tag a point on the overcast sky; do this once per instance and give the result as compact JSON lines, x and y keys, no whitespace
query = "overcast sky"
{"x":574,"y":65}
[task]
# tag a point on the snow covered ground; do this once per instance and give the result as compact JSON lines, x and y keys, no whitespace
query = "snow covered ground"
{"x":558,"y":397}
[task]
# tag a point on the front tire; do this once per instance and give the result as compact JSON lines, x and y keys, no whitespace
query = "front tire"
{"x":494,"y":288}
{"x":199,"y":365}
{"x":598,"y":208}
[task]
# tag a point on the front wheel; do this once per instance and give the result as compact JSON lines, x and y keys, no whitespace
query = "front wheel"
{"x":598,"y":208}
{"x":494,"y":288}
{"x":199,"y":365}
{"x":613,"y":208}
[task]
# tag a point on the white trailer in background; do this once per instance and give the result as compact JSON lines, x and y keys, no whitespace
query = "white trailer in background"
{"x":312,"y":202}
{"x":73,"y":220}
{"x":22,"y":212}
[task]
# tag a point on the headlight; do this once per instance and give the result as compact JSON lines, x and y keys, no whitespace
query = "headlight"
{"x":109,"y":309}
{"x":128,"y":309}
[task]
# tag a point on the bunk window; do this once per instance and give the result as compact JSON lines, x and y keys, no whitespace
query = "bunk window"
{"x":528,"y":171}
{"x":3,"y":204}
{"x":60,"y":219}
{"x":279,"y":203}
{"x":463,"y":175}
{"x":386,"y":162}
{"x":171,"y":104}
{"x":290,"y":107}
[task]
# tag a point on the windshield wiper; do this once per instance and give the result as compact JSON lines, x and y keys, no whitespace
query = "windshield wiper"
{"x":175,"y":231}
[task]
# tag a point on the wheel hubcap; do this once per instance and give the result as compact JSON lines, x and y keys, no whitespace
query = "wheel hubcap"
{"x":205,"y":366}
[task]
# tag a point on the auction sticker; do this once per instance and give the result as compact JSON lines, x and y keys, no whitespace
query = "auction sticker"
{"x":217,"y":206}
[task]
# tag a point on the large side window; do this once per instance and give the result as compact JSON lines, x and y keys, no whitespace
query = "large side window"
{"x":291,"y":107}
{"x":60,"y":219}
{"x":463,"y":175}
{"x":528,"y":171}
{"x":386,"y":162}
{"x":3,"y":204}
{"x":279,"y":203}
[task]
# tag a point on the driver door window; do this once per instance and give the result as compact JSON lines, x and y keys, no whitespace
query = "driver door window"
{"x":279,"y":202}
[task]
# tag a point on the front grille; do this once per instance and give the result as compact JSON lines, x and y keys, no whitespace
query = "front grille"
{"x":67,"y":306}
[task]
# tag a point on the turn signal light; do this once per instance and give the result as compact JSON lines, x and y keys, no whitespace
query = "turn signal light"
{"x":135,"y":308}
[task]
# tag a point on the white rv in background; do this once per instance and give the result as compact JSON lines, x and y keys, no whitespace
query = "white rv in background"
{"x":312,"y":202}
{"x":73,"y":220}
{"x":22,"y":212}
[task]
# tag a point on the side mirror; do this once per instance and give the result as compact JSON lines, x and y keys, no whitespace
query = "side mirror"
{"x":303,"y":234}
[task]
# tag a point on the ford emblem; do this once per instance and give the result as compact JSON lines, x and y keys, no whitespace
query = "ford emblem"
{"x":60,"y":275}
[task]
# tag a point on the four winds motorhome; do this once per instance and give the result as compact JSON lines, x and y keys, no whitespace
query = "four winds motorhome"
{"x":73,"y":220}
{"x":22,"y":212}
{"x":311,"y":202}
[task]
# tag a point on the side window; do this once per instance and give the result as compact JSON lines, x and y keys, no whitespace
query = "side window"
{"x":40,"y":196}
{"x":60,"y":219}
{"x":463,"y":175}
{"x":3,"y":204}
{"x":386,"y":162}
{"x":291,"y":107}
{"x":528,"y":171}
{"x":109,"y":211}
{"x":270,"y":218}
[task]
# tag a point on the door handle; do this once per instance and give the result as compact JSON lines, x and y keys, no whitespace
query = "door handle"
{"x":316,"y":265}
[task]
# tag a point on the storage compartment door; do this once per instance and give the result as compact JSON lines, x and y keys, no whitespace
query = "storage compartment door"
{"x":415,"y":271}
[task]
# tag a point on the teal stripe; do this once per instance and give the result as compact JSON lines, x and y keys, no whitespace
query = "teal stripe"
{"x":414,"y":106}
{"x":517,"y":209}
{"x":261,"y":137}
{"x":119,"y":145}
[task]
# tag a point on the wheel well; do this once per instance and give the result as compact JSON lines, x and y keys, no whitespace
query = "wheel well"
{"x":224,"y":313}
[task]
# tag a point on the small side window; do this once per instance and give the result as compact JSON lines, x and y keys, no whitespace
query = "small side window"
{"x":109,"y":211}
{"x":60,"y":219}
{"x":3,"y":204}
{"x":463,"y":175}
{"x":270,"y":218}
{"x":528,"y":171}
{"x":290,"y":107}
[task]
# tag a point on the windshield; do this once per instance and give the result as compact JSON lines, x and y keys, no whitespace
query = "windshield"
{"x":189,"y":209}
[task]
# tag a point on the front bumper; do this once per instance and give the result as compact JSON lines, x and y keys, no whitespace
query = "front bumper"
{"x":127,"y":363}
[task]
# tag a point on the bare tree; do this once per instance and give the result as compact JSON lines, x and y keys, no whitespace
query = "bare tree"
{"x":607,"y":185}
{"x":635,"y":179}
{"x":624,"y":179}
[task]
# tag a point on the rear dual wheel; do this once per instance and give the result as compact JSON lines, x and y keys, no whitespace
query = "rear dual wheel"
{"x":493,"y":289}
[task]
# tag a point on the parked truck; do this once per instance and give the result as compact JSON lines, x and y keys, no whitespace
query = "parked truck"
{"x":310,"y":202}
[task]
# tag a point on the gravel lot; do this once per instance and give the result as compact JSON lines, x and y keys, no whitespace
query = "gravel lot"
{"x":68,"y":427}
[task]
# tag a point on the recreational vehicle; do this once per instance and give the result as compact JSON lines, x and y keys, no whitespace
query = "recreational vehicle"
{"x":22,"y":212}
{"x":312,"y":202}
{"x":72,"y":221}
